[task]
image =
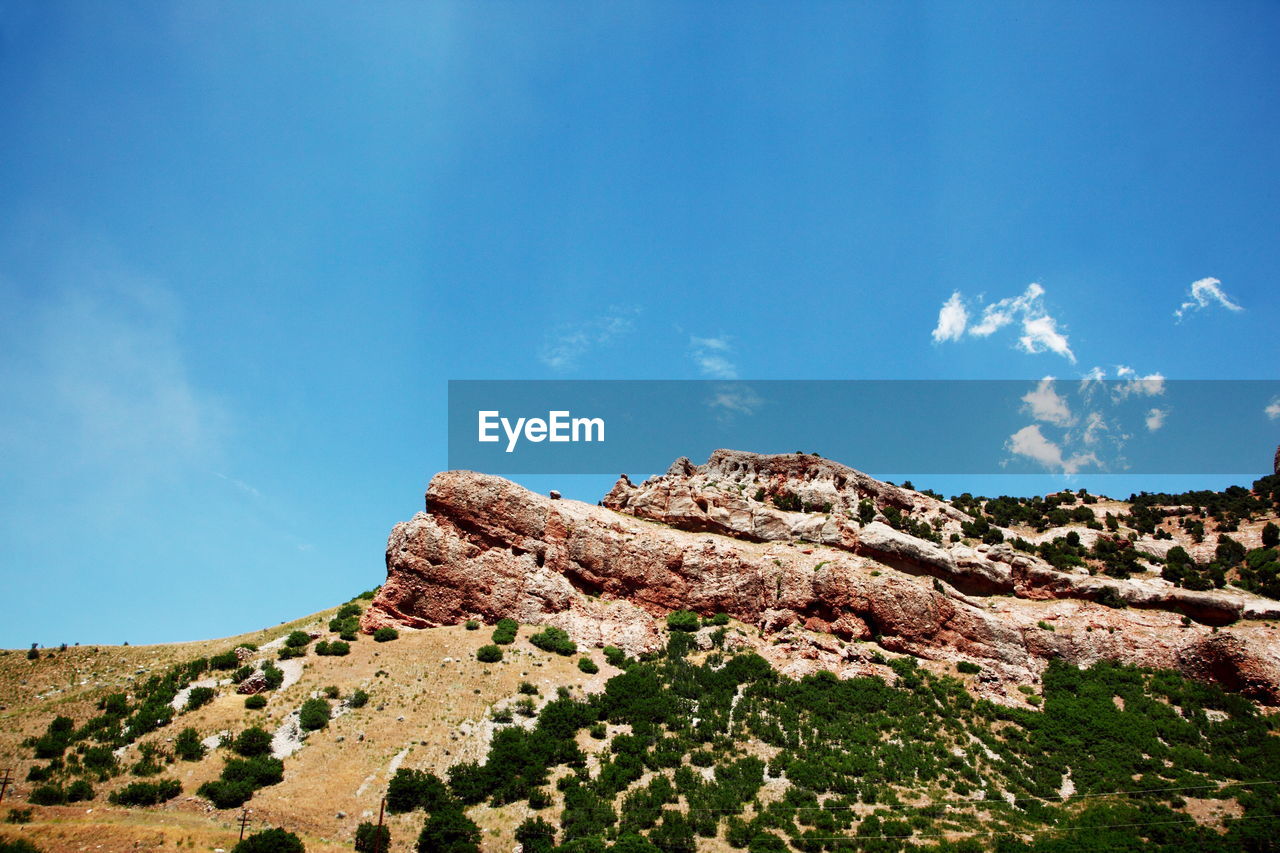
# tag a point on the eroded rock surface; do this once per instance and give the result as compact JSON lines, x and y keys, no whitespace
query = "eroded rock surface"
{"x":827,"y":588}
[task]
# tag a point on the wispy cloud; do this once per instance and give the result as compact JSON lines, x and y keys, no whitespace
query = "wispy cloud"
{"x":1273,"y":409}
{"x":712,"y":355}
{"x":564,"y":347}
{"x":1155,"y":419}
{"x":1039,"y":331}
{"x":97,"y":394}
{"x":1032,"y":444}
{"x":1045,"y":404}
{"x":241,"y":485}
{"x":734,"y":399}
{"x":1204,"y":293}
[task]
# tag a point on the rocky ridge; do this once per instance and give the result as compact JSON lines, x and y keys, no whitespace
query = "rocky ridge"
{"x":826,"y":589}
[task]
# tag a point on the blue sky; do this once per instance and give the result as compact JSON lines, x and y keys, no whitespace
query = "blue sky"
{"x":244,"y":247}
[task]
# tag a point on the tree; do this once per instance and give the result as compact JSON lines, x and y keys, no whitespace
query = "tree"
{"x":314,"y":714}
{"x":367,"y":840}
{"x":536,"y":836}
{"x":271,"y":841}
{"x":252,"y":742}
{"x":449,"y":831}
{"x":187,"y":746}
{"x":1270,"y":535}
{"x":682,"y":620}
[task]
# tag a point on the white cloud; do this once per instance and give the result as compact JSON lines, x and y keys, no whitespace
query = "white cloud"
{"x":1094,"y":426}
{"x":1040,"y":332}
{"x":1155,"y":419}
{"x":952,"y":319}
{"x":240,"y":484}
{"x":1044,"y":404}
{"x":735,"y":399}
{"x":712,"y":357}
{"x":1273,"y":409}
{"x":1151,"y":385}
{"x":565,"y":346}
{"x":1031,"y":443}
{"x":1204,"y":293}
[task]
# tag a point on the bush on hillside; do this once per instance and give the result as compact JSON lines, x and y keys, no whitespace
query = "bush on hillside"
{"x":489,"y":654}
{"x":314,"y":715}
{"x":368,"y":840}
{"x":146,"y":793}
{"x":252,"y":742}
{"x":187,"y":746}
{"x":588,"y":666}
{"x":270,"y":841}
{"x":682,"y":620}
{"x":553,"y":639}
{"x":255,"y":702}
{"x":385,"y":634}
{"x":504,"y":633}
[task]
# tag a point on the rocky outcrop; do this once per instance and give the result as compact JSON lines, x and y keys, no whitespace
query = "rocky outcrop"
{"x":826,"y":590}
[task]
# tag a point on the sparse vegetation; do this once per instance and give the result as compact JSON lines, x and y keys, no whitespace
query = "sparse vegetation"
{"x":553,"y":639}
{"x":385,"y":634}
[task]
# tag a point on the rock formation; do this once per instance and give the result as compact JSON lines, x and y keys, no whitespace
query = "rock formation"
{"x":826,"y":589}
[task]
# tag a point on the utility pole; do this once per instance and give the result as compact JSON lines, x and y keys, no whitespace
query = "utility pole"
{"x":244,"y":821}
{"x":377,"y":833}
{"x":5,"y":781}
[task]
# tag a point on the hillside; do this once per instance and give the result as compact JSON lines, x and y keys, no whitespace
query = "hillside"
{"x":824,"y":669}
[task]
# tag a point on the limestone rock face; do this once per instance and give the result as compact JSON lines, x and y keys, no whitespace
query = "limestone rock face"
{"x":818,"y":589}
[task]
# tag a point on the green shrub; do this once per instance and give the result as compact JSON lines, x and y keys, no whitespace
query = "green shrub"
{"x":291,"y":652}
{"x":257,"y":772}
{"x":252,"y":742}
{"x":350,"y":610}
{"x":385,"y":634}
{"x":18,"y":816}
{"x":358,"y":699}
{"x":146,"y":793}
{"x":449,"y":831}
{"x":337,"y":648}
{"x":17,"y":845}
{"x":1270,"y":535}
{"x":368,"y":840}
{"x":255,"y":702}
{"x":343,"y":626}
{"x":297,"y":640}
{"x":314,"y":714}
{"x":199,"y":696}
{"x":271,"y":841}
{"x":615,"y":656}
{"x":682,"y":620}
{"x":528,"y":689}
{"x":273,"y":675}
{"x":47,"y":795}
{"x":968,"y":667}
{"x":552,"y":639}
{"x":187,"y":746}
{"x":504,"y":633}
{"x":225,"y":794}
{"x":718,"y":620}
{"x":535,"y":834}
{"x":489,"y":654}
{"x":416,"y":789}
{"x":472,"y":625}
{"x":226,"y":660}
{"x":588,"y":666}
{"x":241,"y":674}
{"x":79,"y":791}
